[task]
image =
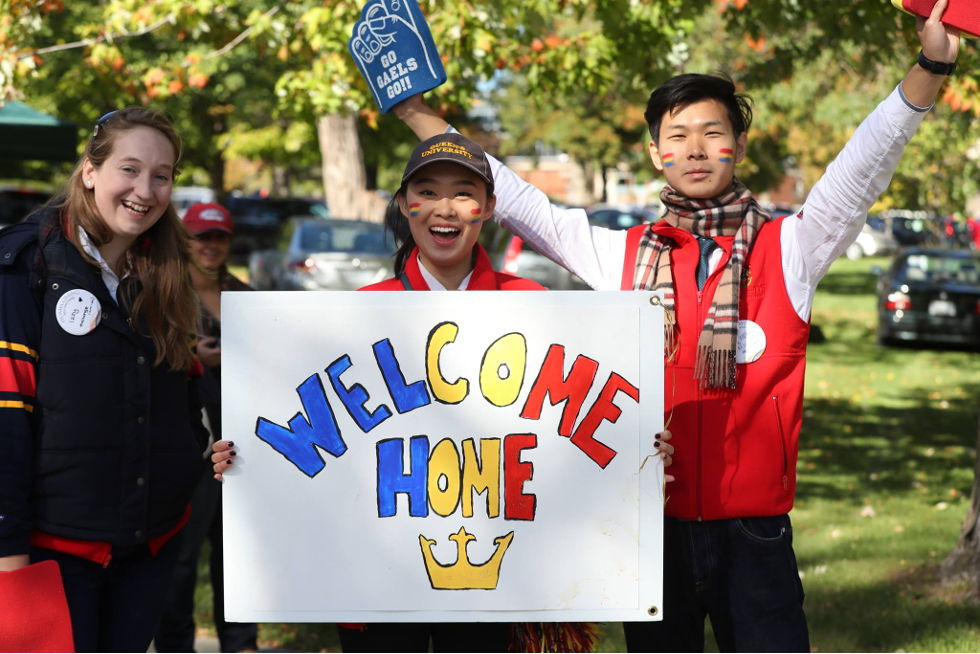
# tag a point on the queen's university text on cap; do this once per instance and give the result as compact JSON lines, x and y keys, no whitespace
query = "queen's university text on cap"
{"x":450,"y":148}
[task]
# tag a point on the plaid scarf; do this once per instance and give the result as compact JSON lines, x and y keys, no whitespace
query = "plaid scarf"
{"x":735,"y":212}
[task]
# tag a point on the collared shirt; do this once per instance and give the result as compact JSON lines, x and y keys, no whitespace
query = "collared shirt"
{"x":110,"y":278}
{"x":435,"y":284}
{"x":831,"y":219}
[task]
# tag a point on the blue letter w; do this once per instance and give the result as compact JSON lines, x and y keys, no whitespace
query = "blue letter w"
{"x":297,"y":442}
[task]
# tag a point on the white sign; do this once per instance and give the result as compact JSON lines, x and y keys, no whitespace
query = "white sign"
{"x":474,"y":456}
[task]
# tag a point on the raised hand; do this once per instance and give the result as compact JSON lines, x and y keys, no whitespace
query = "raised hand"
{"x":939,"y":41}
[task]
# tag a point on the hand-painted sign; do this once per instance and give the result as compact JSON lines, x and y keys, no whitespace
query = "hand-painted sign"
{"x":395,"y":52}
{"x":490,"y":456}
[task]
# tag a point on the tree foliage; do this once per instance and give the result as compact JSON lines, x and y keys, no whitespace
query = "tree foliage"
{"x":816,"y":70}
{"x":249,"y":78}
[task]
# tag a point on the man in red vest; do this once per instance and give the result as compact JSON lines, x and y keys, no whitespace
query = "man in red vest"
{"x":740,"y":286}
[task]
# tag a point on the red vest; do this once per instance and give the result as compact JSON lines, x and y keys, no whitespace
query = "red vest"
{"x":484,"y":277}
{"x":736,"y":449}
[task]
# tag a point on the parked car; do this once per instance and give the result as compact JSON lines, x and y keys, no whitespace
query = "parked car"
{"x":910,"y":228}
{"x":257,"y":219}
{"x":17,"y":202}
{"x":780,"y":210}
{"x":184,"y":196}
{"x":615,"y":217}
{"x":872,"y":242}
{"x":931,"y":295}
{"x":317,"y":254}
{"x":510,"y":254}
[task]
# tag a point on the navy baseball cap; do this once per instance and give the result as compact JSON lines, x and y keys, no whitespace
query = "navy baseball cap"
{"x":454,"y":148}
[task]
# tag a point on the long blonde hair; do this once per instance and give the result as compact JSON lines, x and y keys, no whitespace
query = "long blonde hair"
{"x":166,"y":306}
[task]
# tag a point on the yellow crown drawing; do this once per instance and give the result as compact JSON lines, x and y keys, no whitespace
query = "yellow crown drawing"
{"x":462,"y":574}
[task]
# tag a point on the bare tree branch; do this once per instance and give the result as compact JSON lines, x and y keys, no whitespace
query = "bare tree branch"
{"x":81,"y":44}
{"x":238,"y":39}
{"x":146,"y":30}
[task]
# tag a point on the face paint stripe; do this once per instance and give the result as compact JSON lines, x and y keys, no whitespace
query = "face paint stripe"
{"x":413,"y":209}
{"x":477,"y":216}
{"x":668,"y":160}
{"x":726,"y":155}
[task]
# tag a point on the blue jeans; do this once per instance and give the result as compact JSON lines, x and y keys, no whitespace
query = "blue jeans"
{"x":742,"y":574}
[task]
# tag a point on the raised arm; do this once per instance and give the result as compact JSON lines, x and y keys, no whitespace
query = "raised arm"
{"x":837,"y":207}
{"x":563,"y":235}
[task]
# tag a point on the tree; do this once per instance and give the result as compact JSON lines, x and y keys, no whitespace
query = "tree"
{"x":98,"y":58}
{"x":815,"y":70}
{"x":599,"y":131}
{"x":319,"y":81}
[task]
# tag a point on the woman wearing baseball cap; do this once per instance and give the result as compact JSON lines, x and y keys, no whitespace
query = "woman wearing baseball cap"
{"x":445,"y":196}
{"x":211,"y":231}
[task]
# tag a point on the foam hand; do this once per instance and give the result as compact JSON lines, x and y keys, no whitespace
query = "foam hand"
{"x":963,"y":15}
{"x":394,"y":51}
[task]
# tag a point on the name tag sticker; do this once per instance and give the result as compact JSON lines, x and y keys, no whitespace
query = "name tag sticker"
{"x":751,"y":342}
{"x":78,"y":312}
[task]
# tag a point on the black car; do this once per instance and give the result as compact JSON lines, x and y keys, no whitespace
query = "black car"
{"x":257,"y":219}
{"x":16,"y":203}
{"x":931,"y":295}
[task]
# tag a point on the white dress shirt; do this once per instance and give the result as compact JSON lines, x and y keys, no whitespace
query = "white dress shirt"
{"x":110,"y":278}
{"x":435,"y":285}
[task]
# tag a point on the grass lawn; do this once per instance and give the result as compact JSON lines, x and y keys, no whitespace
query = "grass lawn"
{"x":886,"y":466}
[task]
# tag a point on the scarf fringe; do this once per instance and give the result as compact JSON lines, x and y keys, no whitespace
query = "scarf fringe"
{"x":715,"y":368}
{"x":553,"y":636}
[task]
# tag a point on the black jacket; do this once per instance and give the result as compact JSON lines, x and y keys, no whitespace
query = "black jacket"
{"x":105,"y":446}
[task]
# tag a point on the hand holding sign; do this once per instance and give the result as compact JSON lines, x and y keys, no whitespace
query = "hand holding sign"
{"x":395,"y":52}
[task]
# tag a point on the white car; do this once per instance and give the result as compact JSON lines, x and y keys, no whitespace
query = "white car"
{"x":184,"y":196}
{"x":871,"y":243}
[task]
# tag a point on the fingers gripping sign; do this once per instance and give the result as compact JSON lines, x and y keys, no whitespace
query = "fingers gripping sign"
{"x":394,"y":51}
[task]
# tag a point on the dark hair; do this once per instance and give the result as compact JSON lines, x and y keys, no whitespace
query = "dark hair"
{"x":682,"y":91}
{"x":397,"y":224}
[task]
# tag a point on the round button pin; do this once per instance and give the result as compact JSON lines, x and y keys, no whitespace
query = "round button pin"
{"x":751,"y":342}
{"x":78,"y":312}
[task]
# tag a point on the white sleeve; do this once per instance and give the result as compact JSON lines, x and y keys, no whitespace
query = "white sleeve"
{"x":565,"y":236}
{"x":837,"y":207}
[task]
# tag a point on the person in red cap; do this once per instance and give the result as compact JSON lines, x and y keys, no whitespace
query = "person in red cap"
{"x":211,"y":231}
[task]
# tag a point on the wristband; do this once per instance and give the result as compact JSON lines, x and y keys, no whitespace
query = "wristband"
{"x":936,"y":67}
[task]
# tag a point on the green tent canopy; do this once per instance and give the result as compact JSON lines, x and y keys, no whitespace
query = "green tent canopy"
{"x":29,"y":135}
